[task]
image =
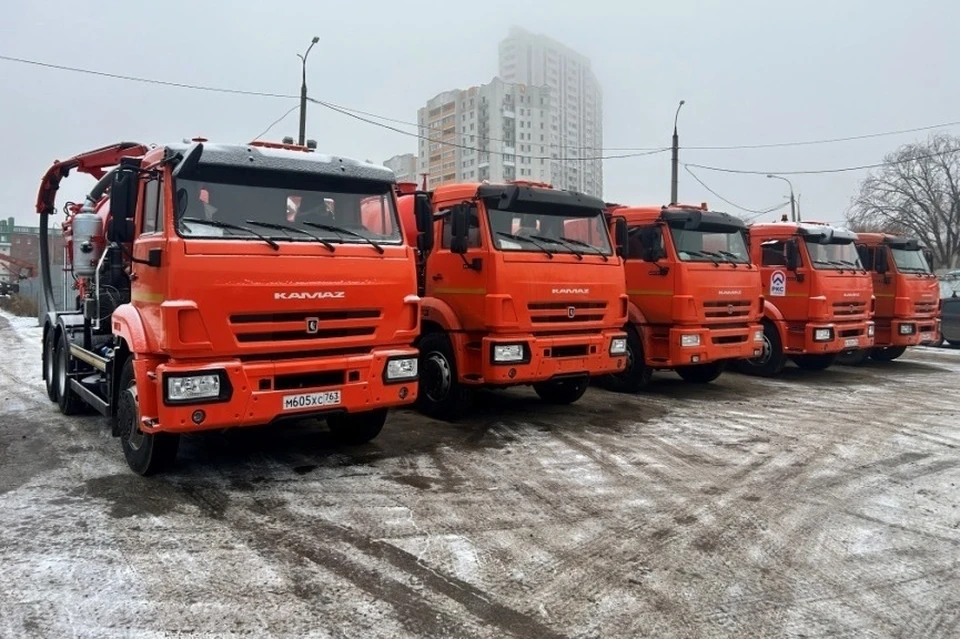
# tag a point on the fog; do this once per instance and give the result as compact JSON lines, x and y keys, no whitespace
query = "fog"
{"x":751,"y":73}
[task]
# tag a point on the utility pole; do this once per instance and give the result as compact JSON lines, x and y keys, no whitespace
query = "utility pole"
{"x":675,"y":159}
{"x":793,"y":201}
{"x":303,"y":91}
{"x":799,"y":195}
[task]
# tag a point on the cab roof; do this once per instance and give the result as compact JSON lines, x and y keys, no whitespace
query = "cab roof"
{"x":821,"y":232}
{"x":530,"y":196}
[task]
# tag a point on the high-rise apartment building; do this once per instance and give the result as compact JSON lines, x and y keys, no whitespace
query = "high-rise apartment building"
{"x":497,"y":131}
{"x":575,"y":120}
{"x":404,"y":167}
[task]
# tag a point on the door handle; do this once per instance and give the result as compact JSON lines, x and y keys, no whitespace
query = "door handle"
{"x":437,"y":277}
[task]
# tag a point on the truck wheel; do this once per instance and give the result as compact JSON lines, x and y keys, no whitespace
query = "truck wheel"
{"x":562,"y":391}
{"x":888,"y":353}
{"x":635,"y":374}
{"x":146,"y":453}
{"x":50,"y":364}
{"x":353,"y":429}
{"x":701,"y":373}
{"x":440,"y":394}
{"x":771,"y":360}
{"x":857,"y":357}
{"x":815,"y":362}
{"x":69,"y":402}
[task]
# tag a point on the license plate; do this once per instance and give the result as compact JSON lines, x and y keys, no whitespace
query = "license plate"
{"x":311,"y":400}
{"x":926,"y":337}
{"x":851,"y":341}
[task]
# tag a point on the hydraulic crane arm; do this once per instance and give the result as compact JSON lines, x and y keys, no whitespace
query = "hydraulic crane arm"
{"x":18,"y":268}
{"x":94,"y":163}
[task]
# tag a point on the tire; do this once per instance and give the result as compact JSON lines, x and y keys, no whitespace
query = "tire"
{"x":68,"y":401}
{"x":888,"y":353}
{"x":146,"y":454}
{"x":772,"y":360}
{"x":50,"y":364}
{"x":815,"y":362}
{"x":562,"y":391}
{"x":440,"y":394}
{"x":953,"y":343}
{"x":635,"y":374}
{"x":702,"y":373}
{"x":856,"y":357}
{"x":354,"y":429}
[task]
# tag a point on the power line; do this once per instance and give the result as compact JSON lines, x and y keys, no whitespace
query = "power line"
{"x":349,"y":110}
{"x":845,"y":169}
{"x":756,"y":212}
{"x":278,"y":121}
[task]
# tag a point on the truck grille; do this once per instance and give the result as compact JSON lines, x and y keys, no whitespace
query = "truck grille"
{"x":848,"y":309}
{"x":723,"y":309}
{"x":566,"y":312}
{"x":925,"y":308}
{"x":292,"y":327}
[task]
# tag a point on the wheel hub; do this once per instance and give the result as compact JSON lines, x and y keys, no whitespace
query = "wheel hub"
{"x":127,"y":415}
{"x":765,"y":354}
{"x":437,"y":377}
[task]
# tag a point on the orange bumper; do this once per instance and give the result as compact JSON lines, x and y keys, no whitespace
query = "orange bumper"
{"x":548,"y":357}
{"x":258,"y":393}
{"x":906,"y":332}
{"x":834,"y":337}
{"x":702,"y":345}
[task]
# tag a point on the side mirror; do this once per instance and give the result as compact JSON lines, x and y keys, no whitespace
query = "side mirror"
{"x":792,"y":255}
{"x":881,"y":260}
{"x":458,"y":229}
{"x":123,"y":194}
{"x":423,"y":211}
{"x":622,"y":237}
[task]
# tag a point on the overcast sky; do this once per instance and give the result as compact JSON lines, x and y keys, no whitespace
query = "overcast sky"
{"x":751,"y":72}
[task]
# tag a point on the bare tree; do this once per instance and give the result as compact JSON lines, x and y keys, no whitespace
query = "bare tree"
{"x":916,"y":192}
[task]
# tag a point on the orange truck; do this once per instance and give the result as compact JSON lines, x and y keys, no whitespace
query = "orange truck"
{"x":510,"y":298}
{"x":907,"y":293}
{"x":202,"y":305}
{"x":818,"y":298}
{"x":695,"y":298}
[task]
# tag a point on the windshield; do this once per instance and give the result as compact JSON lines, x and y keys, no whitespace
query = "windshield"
{"x":910,"y":261}
{"x":570,"y":232}
{"x":833,"y":256}
{"x":710,"y":245}
{"x":288,"y":207}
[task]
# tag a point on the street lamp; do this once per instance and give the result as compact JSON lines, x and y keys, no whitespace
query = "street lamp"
{"x":303,"y":90}
{"x":793,"y":202}
{"x":675,"y":159}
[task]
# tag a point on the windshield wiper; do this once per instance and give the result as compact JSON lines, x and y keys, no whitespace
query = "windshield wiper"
{"x":831,"y":262}
{"x":553,"y":240}
{"x":705,"y":254}
{"x":235,"y":227}
{"x":527,"y":239}
{"x":586,"y":245}
{"x":288,"y":227}
{"x":732,"y":257}
{"x":338,"y":229}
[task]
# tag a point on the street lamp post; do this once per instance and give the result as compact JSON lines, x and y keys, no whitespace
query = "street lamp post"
{"x":675,"y":159}
{"x":793,"y":201}
{"x":303,"y":91}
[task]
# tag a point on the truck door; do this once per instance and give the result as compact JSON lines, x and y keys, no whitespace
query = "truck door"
{"x":448,"y":277}
{"x":149,"y":283}
{"x":787,"y":290}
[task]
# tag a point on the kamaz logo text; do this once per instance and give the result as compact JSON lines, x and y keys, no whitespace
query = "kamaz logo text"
{"x":730,"y":292}
{"x":571,"y":291}
{"x":315,"y":295}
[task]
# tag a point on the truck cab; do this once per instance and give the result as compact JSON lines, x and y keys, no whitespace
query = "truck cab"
{"x":818,"y":297}
{"x":695,"y":298}
{"x":521,"y":284}
{"x":224,"y":285}
{"x":907,"y":293}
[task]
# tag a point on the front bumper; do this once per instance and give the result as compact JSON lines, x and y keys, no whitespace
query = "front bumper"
{"x":922,"y":330}
{"x":712,"y":344}
{"x":258,"y":390}
{"x":550,"y":357}
{"x":843,"y":337}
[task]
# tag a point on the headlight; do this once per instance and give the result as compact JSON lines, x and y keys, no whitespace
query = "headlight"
{"x":504,"y":353}
{"x":758,"y":336}
{"x":187,"y":388}
{"x":402,"y":369}
{"x":689,"y":340}
{"x":822,"y":335}
{"x":618,"y":346}
{"x":871,"y":329}
{"x":906,"y":329}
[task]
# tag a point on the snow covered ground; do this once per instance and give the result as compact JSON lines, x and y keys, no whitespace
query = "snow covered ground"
{"x":812,"y":505}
